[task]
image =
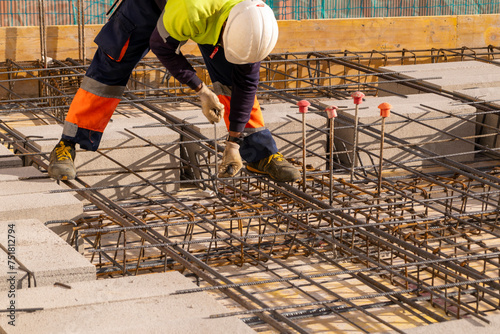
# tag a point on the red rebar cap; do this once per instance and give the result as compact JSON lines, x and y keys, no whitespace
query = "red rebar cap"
{"x":385,"y":109}
{"x":357,"y":97}
{"x":331,"y":111}
{"x":303,"y":104}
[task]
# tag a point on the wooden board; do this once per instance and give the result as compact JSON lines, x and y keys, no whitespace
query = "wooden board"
{"x":393,"y":33}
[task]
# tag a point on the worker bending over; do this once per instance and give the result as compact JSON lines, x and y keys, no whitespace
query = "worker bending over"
{"x":233,"y":37}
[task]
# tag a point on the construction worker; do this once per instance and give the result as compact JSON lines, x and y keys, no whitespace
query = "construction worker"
{"x":233,"y":37}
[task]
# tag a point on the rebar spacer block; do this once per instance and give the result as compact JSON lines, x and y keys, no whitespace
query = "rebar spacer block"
{"x":385,"y":109}
{"x":303,"y":104}
{"x":331,"y":111}
{"x":357,"y":97}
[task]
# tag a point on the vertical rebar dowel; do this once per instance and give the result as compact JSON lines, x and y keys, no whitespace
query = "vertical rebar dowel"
{"x":304,"y":162}
{"x":81,"y":31}
{"x":216,"y":160}
{"x":332,"y":113}
{"x":43,"y":37}
{"x":357,"y":99}
{"x":385,"y":111}
{"x":303,"y":105}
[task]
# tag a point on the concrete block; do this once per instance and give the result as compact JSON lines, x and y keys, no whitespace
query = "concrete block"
{"x":286,"y":132}
{"x":13,"y":174}
{"x":126,"y":151}
{"x":24,"y":199}
{"x":426,"y":133}
{"x":144,"y":304}
{"x":28,"y":187}
{"x":45,"y":207}
{"x":43,"y":253}
{"x":489,"y":132}
{"x":447,"y":76}
{"x":195,"y":120}
{"x":64,"y":231}
{"x":8,"y":158}
{"x":285,"y":122}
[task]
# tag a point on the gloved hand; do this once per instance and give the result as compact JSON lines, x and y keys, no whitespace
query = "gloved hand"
{"x":210,"y":104}
{"x":231,"y":160}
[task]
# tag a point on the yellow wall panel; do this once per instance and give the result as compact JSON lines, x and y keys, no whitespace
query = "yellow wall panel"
{"x":367,"y":34}
{"x":394,"y":33}
{"x":478,"y":30}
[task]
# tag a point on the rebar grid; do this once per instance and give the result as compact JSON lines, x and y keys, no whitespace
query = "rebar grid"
{"x":323,"y":255}
{"x":253,"y":223}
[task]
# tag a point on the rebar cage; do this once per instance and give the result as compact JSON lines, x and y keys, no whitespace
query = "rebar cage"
{"x":370,"y":247}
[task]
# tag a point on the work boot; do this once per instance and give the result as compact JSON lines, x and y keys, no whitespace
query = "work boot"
{"x":62,"y":157}
{"x":276,"y":167}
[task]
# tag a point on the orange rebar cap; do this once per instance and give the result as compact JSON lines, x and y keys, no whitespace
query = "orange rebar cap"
{"x":303,"y":104}
{"x":331,"y":111}
{"x":385,"y":109}
{"x":357,"y":97}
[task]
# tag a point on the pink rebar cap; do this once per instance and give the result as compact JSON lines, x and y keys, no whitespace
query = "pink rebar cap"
{"x":357,"y":97}
{"x":303,"y":104}
{"x":331,"y":111}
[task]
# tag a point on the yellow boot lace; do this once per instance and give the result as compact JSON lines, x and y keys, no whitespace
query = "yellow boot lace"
{"x":63,"y":152}
{"x":278,"y":156}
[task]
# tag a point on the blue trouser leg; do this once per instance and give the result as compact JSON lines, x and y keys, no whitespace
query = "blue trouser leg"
{"x":257,"y":146}
{"x":133,"y":22}
{"x":122,"y":43}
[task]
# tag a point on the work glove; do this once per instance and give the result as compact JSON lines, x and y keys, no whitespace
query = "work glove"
{"x":210,"y":105}
{"x":231,"y":160}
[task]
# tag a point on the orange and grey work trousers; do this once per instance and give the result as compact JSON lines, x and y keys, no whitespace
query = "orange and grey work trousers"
{"x":122,"y":43}
{"x":258,"y":142}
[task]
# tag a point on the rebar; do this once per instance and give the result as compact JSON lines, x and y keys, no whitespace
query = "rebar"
{"x":325,"y":253}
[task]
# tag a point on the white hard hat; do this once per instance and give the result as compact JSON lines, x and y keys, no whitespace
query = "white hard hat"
{"x":251,"y":32}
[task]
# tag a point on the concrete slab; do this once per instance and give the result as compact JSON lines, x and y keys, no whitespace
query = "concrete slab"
{"x":491,"y":120}
{"x":43,"y":253}
{"x":8,"y":158}
{"x":126,"y":149}
{"x":140,"y":304}
{"x":452,"y":76}
{"x":406,"y":126}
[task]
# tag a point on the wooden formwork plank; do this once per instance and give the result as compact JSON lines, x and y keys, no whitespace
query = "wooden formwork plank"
{"x":359,"y":34}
